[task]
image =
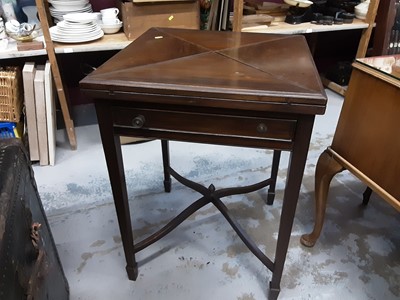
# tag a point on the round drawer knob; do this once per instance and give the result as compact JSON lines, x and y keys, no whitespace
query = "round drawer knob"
{"x":138,"y":121}
{"x":261,"y":128}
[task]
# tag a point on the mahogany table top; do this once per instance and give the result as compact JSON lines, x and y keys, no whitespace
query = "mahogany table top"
{"x":211,"y":68}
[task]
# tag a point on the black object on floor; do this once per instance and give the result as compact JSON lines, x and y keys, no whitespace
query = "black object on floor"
{"x":29,"y":264}
{"x":340,"y":73}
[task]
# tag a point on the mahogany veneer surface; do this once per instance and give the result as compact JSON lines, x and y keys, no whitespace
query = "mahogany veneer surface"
{"x":260,"y":69}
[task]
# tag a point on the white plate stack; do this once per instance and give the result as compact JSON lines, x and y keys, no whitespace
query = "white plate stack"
{"x":77,"y":28}
{"x":59,"y":8}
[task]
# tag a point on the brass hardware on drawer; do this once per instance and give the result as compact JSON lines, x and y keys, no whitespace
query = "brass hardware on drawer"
{"x":138,"y":121}
{"x":261,"y":128}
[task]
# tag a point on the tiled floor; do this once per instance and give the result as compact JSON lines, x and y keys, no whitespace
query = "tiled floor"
{"x":357,"y":256}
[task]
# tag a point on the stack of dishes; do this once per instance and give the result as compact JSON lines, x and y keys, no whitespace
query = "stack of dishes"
{"x":59,"y":8}
{"x":77,"y":28}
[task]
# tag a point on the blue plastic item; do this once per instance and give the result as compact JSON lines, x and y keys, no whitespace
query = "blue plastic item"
{"x":8,"y":130}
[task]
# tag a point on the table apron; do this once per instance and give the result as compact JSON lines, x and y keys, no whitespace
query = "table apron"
{"x":219,"y":128}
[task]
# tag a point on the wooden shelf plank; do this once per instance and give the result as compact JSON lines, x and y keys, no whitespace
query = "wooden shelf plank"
{"x":11,"y":50}
{"x":115,"y":41}
{"x":286,"y":28}
{"x":108,"y":42}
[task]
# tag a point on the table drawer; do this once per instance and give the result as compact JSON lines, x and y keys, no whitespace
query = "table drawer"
{"x":202,"y":123}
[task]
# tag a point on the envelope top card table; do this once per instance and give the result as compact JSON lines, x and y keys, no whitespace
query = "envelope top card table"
{"x":235,"y":89}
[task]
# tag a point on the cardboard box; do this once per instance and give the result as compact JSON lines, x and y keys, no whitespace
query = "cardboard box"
{"x":139,"y":17}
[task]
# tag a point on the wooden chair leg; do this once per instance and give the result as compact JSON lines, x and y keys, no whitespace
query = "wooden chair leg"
{"x":327,"y":167}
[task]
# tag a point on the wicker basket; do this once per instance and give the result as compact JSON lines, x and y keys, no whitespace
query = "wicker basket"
{"x":10,"y":94}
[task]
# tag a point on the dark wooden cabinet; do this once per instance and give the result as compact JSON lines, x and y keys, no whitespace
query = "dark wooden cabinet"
{"x":385,"y":20}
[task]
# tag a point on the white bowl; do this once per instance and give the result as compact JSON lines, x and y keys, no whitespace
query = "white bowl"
{"x":110,"y":28}
{"x":361,"y":10}
{"x":299,"y":3}
{"x":360,"y":13}
{"x":360,"y":16}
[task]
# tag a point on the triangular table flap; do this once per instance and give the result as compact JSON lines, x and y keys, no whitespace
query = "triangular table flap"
{"x":194,"y":72}
{"x":151,"y":47}
{"x":292,"y":61}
